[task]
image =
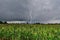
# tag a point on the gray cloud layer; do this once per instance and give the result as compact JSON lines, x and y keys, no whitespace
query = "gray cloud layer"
{"x":34,"y":10}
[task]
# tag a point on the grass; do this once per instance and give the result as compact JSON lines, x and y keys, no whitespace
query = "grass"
{"x":29,"y":32}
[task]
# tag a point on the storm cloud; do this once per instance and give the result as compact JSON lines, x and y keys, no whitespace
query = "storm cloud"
{"x":34,"y":10}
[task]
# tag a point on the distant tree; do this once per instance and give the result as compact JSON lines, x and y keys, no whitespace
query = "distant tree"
{"x":1,"y":22}
{"x":5,"y":22}
{"x":36,"y":23}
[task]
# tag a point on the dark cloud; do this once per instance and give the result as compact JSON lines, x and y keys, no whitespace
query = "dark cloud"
{"x":13,"y":9}
{"x":34,"y":10}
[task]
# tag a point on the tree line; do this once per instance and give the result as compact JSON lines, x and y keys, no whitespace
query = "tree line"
{"x":3,"y":22}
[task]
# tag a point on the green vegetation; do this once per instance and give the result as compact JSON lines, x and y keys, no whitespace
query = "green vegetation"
{"x":29,"y":32}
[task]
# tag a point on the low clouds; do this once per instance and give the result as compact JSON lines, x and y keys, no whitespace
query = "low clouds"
{"x":45,"y":10}
{"x":34,"y":10}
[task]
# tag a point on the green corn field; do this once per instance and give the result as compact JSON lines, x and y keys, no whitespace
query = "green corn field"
{"x":29,"y":32}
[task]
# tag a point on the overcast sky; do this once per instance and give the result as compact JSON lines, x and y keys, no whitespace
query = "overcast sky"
{"x":34,"y":10}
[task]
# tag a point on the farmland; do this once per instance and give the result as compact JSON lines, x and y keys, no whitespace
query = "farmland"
{"x":29,"y":31}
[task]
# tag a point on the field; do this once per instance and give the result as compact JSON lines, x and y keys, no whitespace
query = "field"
{"x":29,"y":32}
